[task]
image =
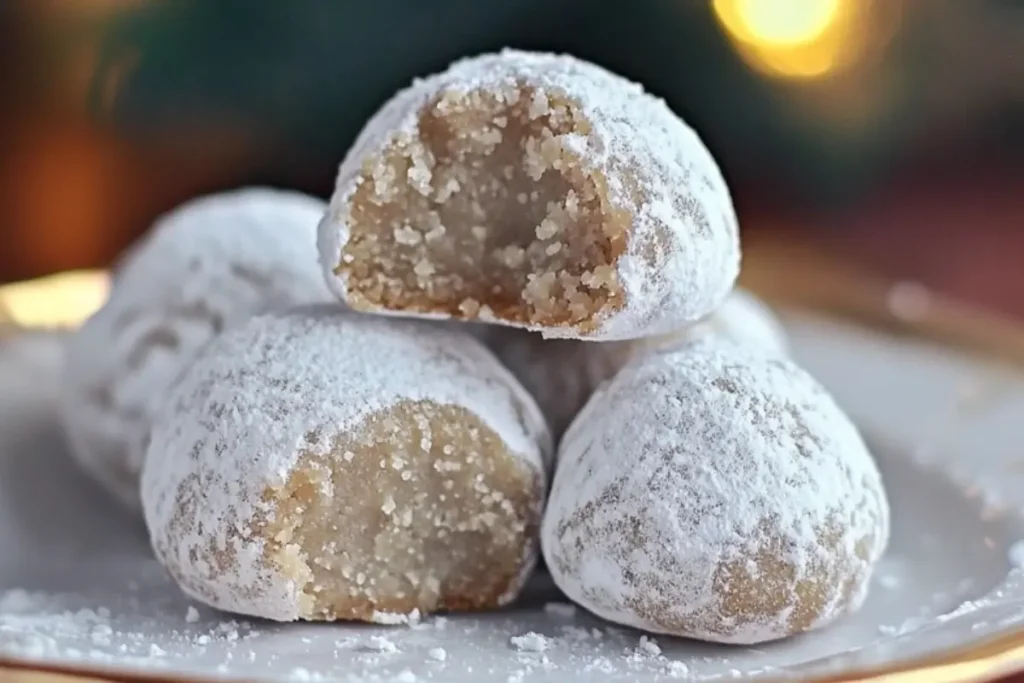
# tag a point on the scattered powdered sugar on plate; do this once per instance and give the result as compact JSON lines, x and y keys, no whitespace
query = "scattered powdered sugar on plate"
{"x":648,"y":646}
{"x":676,"y":669}
{"x":530,"y":642}
{"x":380,"y":644}
{"x":38,"y":625}
{"x":393,"y":618}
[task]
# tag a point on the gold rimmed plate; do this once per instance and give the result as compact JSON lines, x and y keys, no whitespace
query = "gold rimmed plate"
{"x":80,"y":592}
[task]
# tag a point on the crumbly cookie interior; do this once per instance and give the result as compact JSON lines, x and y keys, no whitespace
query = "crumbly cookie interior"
{"x":486,"y":211}
{"x":420,"y":507}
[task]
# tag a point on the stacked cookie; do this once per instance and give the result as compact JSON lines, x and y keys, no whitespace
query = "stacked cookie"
{"x":298,"y":456}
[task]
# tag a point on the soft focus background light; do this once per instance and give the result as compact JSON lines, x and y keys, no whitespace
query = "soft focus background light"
{"x":794,"y":38}
{"x":63,"y":300}
{"x":785,"y":22}
{"x":878,"y":123}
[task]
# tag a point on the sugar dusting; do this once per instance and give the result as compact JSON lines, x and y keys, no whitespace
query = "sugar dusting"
{"x":562,"y":374}
{"x":720,"y":426}
{"x":39,"y":626}
{"x":682,"y":249}
{"x":205,"y":266}
{"x":745,"y":319}
{"x":284,"y":385}
{"x":530,"y":642}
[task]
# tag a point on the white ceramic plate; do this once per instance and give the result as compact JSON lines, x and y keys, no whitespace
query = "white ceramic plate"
{"x":79,"y":589}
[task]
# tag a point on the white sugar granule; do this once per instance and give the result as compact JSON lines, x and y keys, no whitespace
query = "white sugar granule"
{"x":437,"y":653}
{"x":101,"y":634}
{"x":601,"y":664}
{"x":530,"y":642}
{"x":676,"y":669}
{"x":39,"y":625}
{"x":191,"y":615}
{"x":393,"y":618}
{"x":405,"y":676}
{"x":380,"y":644}
{"x":648,"y":646}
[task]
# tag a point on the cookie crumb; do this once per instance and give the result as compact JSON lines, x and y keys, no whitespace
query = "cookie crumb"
{"x":677,"y":670}
{"x":648,"y":646}
{"x":530,"y":642}
{"x":380,"y":644}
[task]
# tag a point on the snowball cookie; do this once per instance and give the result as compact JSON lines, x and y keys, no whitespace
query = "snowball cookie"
{"x":746,"y":320}
{"x":202,"y":267}
{"x":561,"y":374}
{"x":535,"y":190}
{"x":332,"y":466}
{"x":718,"y":493}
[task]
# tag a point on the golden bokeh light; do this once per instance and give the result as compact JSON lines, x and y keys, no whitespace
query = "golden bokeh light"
{"x":62,"y":300}
{"x":794,"y":38}
{"x":786,"y":22}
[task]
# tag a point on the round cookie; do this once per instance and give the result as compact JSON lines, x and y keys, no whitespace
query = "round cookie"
{"x":748,"y":321}
{"x":323,"y":465}
{"x":535,"y":190}
{"x":204,"y":266}
{"x":561,"y":374}
{"x":715,"y":493}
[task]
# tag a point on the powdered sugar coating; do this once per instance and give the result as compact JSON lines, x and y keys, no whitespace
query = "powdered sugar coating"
{"x":682,"y":252}
{"x":285,"y":386}
{"x":748,"y":321}
{"x":716,"y":493}
{"x":203,"y":267}
{"x":561,"y":374}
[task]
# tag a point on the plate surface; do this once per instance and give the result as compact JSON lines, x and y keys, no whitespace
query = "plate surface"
{"x":79,"y":588}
